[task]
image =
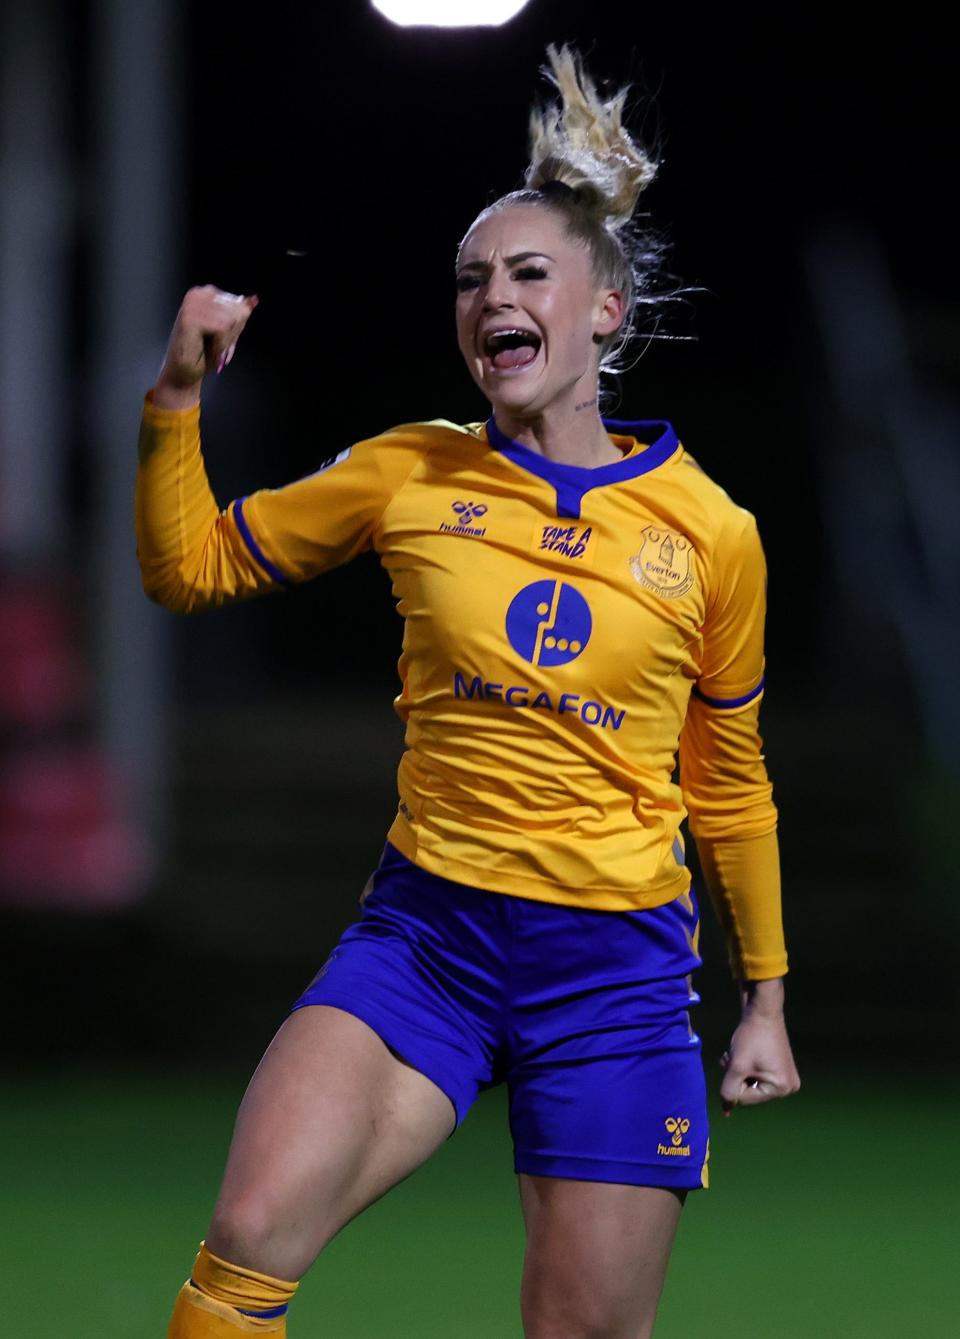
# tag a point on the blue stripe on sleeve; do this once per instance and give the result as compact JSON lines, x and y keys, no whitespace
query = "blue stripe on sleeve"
{"x":728,"y":703}
{"x":254,"y":547}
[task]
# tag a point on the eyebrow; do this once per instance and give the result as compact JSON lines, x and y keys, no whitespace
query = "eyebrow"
{"x":511,"y":260}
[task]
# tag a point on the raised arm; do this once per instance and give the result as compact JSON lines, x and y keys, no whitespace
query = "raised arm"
{"x":191,"y":555}
{"x":194,"y":555}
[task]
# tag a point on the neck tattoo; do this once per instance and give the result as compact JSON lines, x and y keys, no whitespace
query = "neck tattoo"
{"x":586,"y":404}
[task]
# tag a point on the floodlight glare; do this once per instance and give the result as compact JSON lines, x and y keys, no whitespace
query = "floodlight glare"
{"x":449,"y":13}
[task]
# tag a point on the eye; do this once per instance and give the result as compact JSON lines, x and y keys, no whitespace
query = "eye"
{"x":467,"y":281}
{"x":531,"y":272}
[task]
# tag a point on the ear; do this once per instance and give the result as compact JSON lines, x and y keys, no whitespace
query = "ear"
{"x":608,"y":313}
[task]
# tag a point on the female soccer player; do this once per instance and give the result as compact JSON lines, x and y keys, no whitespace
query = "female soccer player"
{"x":580,"y":603}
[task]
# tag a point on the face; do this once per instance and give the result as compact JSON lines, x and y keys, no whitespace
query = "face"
{"x":528,"y":308}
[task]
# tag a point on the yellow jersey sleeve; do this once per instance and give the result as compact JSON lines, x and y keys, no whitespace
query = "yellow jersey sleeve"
{"x":723,"y":777}
{"x":193,"y":555}
{"x":731,"y":668}
{"x":743,"y":880}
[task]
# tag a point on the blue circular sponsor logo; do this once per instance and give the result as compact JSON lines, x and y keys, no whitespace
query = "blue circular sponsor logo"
{"x":549,"y":623}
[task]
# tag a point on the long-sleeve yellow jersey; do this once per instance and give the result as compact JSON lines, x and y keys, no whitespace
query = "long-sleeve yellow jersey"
{"x":566,"y":632}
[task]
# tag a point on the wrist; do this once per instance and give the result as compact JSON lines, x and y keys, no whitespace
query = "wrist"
{"x":166,"y":395}
{"x":762,"y":997}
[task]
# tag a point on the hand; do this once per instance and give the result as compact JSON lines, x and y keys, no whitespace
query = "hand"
{"x":203,"y":339}
{"x":759,"y":1064}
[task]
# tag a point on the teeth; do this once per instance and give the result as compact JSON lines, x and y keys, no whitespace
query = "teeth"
{"x":495,"y":338}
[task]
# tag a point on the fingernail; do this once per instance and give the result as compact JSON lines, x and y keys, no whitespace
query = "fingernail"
{"x":228,"y":359}
{"x":221,"y":363}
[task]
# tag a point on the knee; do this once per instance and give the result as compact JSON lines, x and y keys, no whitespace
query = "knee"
{"x":248,"y":1232}
{"x":573,"y":1311}
{"x":240,"y":1231}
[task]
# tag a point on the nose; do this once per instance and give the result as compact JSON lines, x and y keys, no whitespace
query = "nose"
{"x":499,"y":292}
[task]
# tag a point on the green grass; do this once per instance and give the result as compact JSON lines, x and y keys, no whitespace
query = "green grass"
{"x":831,"y":1215}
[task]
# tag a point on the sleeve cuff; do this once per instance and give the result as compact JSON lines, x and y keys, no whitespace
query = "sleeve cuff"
{"x":167,"y":418}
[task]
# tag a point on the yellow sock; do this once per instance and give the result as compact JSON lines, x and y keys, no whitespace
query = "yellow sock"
{"x":221,"y":1300}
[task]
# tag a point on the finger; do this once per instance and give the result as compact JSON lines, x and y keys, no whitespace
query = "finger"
{"x":736,"y":1089}
{"x":732,"y":1083}
{"x":767,"y":1090}
{"x":228,"y":344}
{"x":752,"y":1091}
{"x":225,"y":346}
{"x":236,"y":330}
{"x":729,"y":1096}
{"x":244,"y":301}
{"x":730,"y":1102}
{"x":224,"y":329}
{"x":756,"y":1090}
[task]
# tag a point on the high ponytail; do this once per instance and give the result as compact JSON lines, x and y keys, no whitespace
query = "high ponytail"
{"x":583,"y":143}
{"x":587,"y":167}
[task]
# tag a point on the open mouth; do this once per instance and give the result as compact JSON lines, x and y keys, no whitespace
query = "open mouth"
{"x":508,"y":349}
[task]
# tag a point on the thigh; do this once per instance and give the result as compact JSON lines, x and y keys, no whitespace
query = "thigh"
{"x":596,"y":1257}
{"x":331,"y":1120}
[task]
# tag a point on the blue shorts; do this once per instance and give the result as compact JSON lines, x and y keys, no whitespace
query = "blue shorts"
{"x":584,"y":1014}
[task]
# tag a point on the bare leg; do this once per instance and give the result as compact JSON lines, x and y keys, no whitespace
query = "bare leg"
{"x":596,"y":1257}
{"x":331,"y":1120}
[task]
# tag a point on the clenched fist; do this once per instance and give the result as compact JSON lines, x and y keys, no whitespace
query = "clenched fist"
{"x":203,"y":339}
{"x":759,"y":1065}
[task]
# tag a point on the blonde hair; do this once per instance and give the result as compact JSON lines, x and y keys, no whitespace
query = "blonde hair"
{"x":582,"y":142}
{"x":587,"y":167}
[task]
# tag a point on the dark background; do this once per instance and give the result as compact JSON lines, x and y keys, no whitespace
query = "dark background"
{"x":804,"y":187}
{"x":371,"y":148}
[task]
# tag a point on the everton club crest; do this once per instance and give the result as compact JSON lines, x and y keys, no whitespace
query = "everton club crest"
{"x":664,"y":563}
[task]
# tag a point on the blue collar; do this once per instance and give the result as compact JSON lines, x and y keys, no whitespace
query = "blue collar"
{"x":572,"y":481}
